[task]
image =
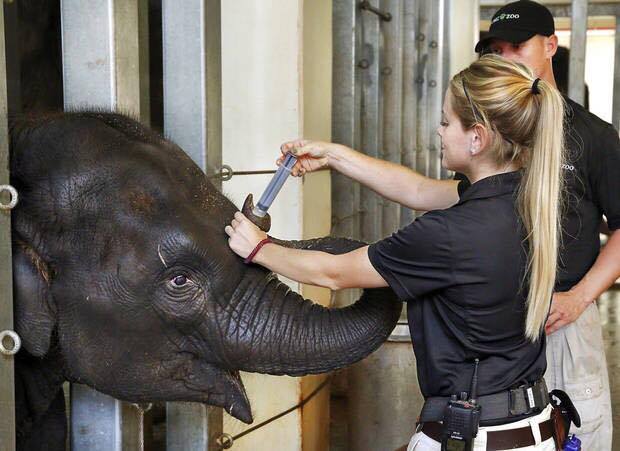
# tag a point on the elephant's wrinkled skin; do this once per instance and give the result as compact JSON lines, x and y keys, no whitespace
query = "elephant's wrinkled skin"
{"x":124,"y":280}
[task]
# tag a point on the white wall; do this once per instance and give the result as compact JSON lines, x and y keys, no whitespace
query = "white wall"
{"x":463,"y":32}
{"x":599,"y":76}
{"x":263,"y":91}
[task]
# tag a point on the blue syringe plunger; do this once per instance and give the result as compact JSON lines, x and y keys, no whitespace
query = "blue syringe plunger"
{"x":275,"y":185}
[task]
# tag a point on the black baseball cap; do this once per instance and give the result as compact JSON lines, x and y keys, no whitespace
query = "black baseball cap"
{"x":517,"y":22}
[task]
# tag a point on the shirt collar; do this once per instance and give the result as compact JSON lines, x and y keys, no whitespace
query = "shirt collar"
{"x":492,"y":186}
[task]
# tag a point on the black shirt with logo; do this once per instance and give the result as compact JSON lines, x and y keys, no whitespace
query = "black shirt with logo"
{"x":592,"y":189}
{"x":461,"y":271}
{"x":592,"y":177}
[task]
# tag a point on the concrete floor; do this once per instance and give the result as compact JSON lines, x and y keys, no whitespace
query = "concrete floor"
{"x":610,"y":318}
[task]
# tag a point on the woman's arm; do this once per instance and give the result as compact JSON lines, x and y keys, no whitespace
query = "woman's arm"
{"x":336,"y":272}
{"x":390,"y":180}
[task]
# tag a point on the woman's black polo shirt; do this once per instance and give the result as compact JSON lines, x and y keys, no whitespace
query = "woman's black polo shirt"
{"x":460,"y":270}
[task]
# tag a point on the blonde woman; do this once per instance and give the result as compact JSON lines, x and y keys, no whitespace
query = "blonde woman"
{"x":478,"y":275}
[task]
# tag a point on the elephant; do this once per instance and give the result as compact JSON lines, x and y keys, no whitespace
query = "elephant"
{"x":123,"y":280}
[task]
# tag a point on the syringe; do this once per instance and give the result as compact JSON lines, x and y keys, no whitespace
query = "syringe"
{"x":274,"y":186}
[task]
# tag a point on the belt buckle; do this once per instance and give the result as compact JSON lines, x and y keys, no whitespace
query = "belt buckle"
{"x":522,"y":400}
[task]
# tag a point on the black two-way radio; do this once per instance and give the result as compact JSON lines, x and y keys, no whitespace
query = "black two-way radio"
{"x":461,"y":419}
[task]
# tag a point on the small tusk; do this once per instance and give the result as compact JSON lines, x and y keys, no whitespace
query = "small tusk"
{"x":161,"y":257}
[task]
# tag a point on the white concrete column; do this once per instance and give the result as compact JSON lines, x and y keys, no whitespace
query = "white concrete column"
{"x":463,"y":32}
{"x":264,"y":103}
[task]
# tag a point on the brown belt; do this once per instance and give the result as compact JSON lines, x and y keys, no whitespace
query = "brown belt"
{"x":500,"y":440}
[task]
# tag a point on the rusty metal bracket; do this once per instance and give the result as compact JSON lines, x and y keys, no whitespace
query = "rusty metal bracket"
{"x":383,"y":15}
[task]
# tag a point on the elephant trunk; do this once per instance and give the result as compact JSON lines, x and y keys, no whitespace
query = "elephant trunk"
{"x":276,"y":331}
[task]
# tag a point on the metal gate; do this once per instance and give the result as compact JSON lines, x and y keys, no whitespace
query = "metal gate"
{"x":390,"y":70}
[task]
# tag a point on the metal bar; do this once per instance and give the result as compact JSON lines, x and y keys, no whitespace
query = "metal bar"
{"x":448,"y":12}
{"x":577,"y":64}
{"x":435,"y":76}
{"x":144,"y":64}
{"x":346,"y":93}
{"x":594,"y":9}
{"x":13,"y":75}
{"x":410,"y":100}
{"x":370,"y":124}
{"x":96,"y":420}
{"x":192,"y":79}
{"x":422,"y":154}
{"x":193,"y":119}
{"x":392,"y":99}
{"x":100,"y":51}
{"x":345,"y":113}
{"x":616,"y":98}
{"x":7,"y":376}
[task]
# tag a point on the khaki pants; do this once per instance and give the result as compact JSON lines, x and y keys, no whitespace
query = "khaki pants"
{"x":422,"y":442}
{"x":576,"y":364}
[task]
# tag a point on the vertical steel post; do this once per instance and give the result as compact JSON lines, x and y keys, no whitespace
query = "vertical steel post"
{"x":13,"y":72}
{"x":422,"y":38}
{"x":435,"y":77}
{"x":616,"y":98}
{"x":370,"y":122}
{"x":101,"y":56}
{"x":7,"y":376}
{"x":391,"y":73}
{"x":577,"y":64}
{"x":193,"y":119}
{"x":346,"y":94}
{"x":410,"y":96}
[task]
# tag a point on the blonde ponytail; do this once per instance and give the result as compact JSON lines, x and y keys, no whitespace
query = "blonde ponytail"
{"x":539,"y":207}
{"x":526,"y":121}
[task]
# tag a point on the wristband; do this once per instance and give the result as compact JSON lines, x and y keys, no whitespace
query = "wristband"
{"x":258,"y":247}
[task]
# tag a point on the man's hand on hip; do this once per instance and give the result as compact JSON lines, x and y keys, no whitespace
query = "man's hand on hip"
{"x":566,"y":307}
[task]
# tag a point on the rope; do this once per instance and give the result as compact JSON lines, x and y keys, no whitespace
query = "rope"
{"x":226,"y":441}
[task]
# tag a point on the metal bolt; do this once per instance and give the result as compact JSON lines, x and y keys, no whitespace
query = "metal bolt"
{"x":421,"y":37}
{"x":432,"y":83}
{"x":226,"y":172}
{"x":386,"y":71}
{"x":363,"y":64}
{"x":13,"y":197}
{"x":419,"y":80}
{"x":15,"y":345}
{"x":433,"y":44}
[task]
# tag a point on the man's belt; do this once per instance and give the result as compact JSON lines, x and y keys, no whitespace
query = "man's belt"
{"x":507,"y":439}
{"x":523,"y":400}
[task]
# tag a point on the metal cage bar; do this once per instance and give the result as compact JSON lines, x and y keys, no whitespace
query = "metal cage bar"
{"x":435,"y":76}
{"x":616,"y":98}
{"x":577,"y":65}
{"x":101,"y":69}
{"x":370,"y":119}
{"x":193,"y":119}
{"x":410,"y":97}
{"x":346,"y":92}
{"x":7,"y":375}
{"x":391,"y":72}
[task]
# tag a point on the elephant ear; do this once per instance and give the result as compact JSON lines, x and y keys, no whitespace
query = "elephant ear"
{"x":35,"y":314}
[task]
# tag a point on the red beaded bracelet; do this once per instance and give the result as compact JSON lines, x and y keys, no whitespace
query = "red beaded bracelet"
{"x":258,"y":247}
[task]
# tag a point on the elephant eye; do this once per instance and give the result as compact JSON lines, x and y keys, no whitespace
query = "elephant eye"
{"x":179,"y":281}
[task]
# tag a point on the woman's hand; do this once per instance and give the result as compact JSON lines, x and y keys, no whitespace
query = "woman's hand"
{"x":311,"y":155}
{"x":244,"y":235}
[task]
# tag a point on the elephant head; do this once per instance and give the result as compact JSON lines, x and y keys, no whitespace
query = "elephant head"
{"x":122,"y":267}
